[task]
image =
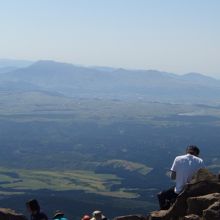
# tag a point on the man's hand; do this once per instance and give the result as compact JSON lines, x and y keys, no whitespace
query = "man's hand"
{"x":173,"y":175}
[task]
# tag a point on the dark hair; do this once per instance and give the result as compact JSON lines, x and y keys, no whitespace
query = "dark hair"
{"x":33,"y":205}
{"x":193,"y":149}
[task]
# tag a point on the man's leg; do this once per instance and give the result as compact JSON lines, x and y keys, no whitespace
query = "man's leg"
{"x":166,"y":197}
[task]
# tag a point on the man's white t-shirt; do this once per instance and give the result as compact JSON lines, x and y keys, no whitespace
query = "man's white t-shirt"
{"x":185,"y":167}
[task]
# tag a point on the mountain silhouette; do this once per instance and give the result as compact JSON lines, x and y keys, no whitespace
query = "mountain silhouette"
{"x":91,"y":82}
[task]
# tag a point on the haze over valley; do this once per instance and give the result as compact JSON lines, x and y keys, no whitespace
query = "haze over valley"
{"x":83,"y":134}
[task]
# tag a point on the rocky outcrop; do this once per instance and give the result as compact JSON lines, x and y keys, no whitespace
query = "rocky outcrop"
{"x":196,"y":205}
{"x":200,"y":200}
{"x":131,"y":217}
{"x":8,"y":214}
{"x":212,"y":212}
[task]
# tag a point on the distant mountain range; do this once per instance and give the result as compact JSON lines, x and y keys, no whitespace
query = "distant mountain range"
{"x":101,"y":82}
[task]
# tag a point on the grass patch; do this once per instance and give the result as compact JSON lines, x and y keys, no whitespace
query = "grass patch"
{"x":87,"y":181}
{"x":129,"y":166}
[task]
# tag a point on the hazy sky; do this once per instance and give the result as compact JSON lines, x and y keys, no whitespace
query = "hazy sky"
{"x":173,"y":35}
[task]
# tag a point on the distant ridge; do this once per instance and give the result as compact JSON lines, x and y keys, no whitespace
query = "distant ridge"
{"x":14,"y":63}
{"x":199,"y":78}
{"x":90,"y":82}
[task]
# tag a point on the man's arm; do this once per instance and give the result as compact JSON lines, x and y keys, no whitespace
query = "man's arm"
{"x":173,"y":170}
{"x":173,"y":175}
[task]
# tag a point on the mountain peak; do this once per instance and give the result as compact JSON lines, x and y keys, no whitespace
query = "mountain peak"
{"x":50,"y":63}
{"x":197,"y":76}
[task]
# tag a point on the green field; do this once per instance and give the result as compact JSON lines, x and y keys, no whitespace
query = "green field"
{"x":19,"y":180}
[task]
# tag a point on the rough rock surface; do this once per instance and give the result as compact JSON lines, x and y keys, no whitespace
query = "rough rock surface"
{"x":200,"y":200}
{"x":212,"y":212}
{"x":196,"y":205}
{"x":8,"y":214}
{"x":192,"y":217}
{"x":131,"y":217}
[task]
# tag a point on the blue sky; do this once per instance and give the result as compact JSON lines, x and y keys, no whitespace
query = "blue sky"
{"x":172,"y":35}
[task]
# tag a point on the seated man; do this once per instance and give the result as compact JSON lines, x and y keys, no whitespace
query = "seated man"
{"x":182,"y":170}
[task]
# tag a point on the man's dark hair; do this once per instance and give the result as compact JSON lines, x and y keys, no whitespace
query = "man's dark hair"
{"x":33,"y":205}
{"x":193,"y":149}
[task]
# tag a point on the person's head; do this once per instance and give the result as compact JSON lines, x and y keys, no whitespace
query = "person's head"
{"x":193,"y":149}
{"x":86,"y":217}
{"x":97,"y":215}
{"x":58,"y":214}
{"x":33,"y":206}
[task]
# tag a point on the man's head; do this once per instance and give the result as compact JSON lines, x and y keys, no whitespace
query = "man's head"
{"x":193,"y":149}
{"x":33,"y":206}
